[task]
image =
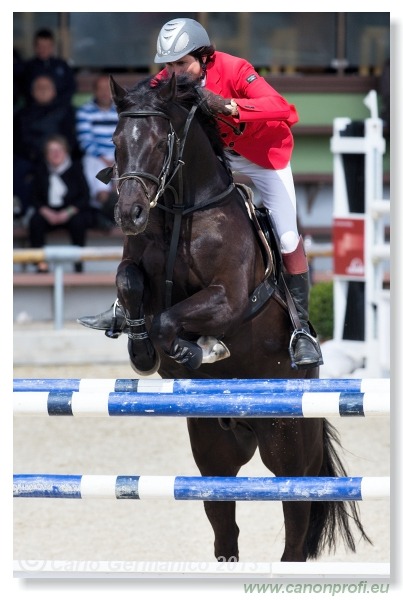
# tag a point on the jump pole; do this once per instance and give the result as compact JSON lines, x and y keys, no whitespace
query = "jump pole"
{"x":143,"y":487}
{"x":241,"y":405}
{"x":194,"y":386}
{"x":136,"y":487}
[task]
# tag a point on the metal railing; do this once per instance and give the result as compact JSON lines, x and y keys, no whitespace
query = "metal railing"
{"x":58,"y":256}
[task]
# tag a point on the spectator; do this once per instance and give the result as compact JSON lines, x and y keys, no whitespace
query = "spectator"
{"x":60,"y":197}
{"x":32,"y":125}
{"x":96,"y":123}
{"x":44,"y":62}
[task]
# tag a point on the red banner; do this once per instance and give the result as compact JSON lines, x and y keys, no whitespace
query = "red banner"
{"x":348,"y":247}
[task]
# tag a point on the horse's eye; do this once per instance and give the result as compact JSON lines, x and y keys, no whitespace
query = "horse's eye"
{"x":162,"y":145}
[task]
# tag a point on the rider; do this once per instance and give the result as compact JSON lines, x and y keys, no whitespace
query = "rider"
{"x":254,"y":121}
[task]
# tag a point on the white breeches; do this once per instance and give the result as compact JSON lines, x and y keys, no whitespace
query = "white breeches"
{"x":277,"y":192}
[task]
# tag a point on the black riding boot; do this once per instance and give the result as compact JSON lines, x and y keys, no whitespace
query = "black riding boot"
{"x":112,"y":321}
{"x":304,"y":348}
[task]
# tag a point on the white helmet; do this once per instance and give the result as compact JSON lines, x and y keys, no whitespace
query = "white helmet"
{"x":178,"y":38}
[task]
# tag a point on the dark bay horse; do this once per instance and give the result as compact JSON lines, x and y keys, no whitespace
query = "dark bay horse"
{"x":189,"y":283}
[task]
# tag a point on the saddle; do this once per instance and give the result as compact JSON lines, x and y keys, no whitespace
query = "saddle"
{"x":273,"y":283}
{"x":264,"y":230}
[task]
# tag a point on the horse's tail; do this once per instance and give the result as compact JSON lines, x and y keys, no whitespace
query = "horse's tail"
{"x":328,"y":519}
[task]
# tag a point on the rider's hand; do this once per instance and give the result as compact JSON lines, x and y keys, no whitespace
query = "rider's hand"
{"x":217,"y":104}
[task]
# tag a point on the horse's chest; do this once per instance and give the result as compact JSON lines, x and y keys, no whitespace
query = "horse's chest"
{"x":179,"y":264}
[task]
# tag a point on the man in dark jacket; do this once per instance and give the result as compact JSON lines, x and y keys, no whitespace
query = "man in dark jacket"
{"x":44,"y":62}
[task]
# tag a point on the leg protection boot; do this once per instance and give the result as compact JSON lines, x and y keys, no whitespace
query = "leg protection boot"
{"x":304,"y":348}
{"x":112,"y":321}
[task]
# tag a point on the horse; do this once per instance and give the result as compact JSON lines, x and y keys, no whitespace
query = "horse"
{"x":194,"y":285}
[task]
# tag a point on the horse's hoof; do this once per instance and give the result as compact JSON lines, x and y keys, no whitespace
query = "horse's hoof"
{"x":147,"y":362}
{"x":213,"y":349}
{"x":187,"y":353}
{"x":143,"y":372}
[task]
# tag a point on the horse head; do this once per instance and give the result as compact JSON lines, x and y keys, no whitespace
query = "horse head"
{"x":144,"y":140}
{"x":163,"y":126}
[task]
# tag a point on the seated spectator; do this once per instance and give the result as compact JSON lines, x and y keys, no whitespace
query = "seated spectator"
{"x":32,"y":125}
{"x":60,"y":197}
{"x":96,"y":123}
{"x":44,"y":62}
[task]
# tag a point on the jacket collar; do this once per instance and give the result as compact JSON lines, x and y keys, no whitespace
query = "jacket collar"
{"x":212,"y":74}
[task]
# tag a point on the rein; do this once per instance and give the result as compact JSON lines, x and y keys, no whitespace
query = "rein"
{"x":163,"y":181}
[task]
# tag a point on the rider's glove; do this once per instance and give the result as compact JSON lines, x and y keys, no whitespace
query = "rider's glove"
{"x":219,"y":105}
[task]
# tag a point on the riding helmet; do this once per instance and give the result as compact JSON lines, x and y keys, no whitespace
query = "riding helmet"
{"x":178,"y":38}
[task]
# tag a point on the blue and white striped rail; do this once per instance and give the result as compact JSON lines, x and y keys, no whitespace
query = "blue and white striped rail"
{"x":197,"y":386}
{"x":292,"y":404}
{"x":136,"y":487}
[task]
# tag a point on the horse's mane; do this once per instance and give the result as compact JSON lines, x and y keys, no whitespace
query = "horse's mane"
{"x":145,"y":93}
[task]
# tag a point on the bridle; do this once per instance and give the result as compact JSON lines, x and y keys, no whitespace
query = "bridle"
{"x":139,"y":176}
{"x":169,"y":168}
{"x":173,"y":163}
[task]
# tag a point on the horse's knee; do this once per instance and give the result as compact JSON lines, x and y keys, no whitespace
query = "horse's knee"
{"x":164,"y":329}
{"x":162,"y":332}
{"x":130,"y":281}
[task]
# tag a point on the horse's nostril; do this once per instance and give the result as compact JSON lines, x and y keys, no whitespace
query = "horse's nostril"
{"x":137,"y":210}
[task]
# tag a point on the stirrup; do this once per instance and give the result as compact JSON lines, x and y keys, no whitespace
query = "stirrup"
{"x":112,"y":321}
{"x":116,"y":329}
{"x":293,"y":341}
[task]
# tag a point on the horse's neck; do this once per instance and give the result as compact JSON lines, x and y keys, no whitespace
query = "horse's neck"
{"x":204,"y":173}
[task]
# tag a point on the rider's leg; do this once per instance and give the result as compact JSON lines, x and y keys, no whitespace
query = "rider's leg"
{"x":304,"y":348}
{"x":112,"y":321}
{"x":276,"y":188}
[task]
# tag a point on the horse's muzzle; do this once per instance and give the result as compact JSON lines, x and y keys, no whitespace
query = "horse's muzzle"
{"x":132,"y":219}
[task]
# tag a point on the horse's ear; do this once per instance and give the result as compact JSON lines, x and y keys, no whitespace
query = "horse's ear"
{"x":118,"y":92}
{"x":168,"y":92}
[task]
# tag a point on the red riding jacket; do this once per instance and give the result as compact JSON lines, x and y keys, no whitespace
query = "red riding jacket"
{"x":265,"y":117}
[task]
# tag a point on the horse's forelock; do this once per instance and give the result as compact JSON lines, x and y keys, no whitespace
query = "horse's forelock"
{"x":147,"y":91}
{"x":141,"y":95}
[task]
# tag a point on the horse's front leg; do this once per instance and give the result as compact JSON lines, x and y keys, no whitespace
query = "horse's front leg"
{"x":207,"y":314}
{"x":130,"y":287}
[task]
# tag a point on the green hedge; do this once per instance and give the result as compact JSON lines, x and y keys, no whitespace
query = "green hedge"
{"x":321,"y":309}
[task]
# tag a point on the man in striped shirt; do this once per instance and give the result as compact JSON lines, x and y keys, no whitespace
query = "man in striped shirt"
{"x":96,"y":123}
